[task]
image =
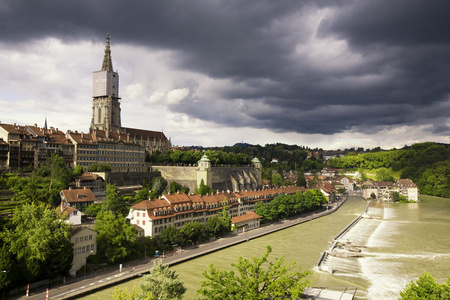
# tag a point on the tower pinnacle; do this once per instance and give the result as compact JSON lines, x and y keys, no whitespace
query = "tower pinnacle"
{"x":107,"y":61}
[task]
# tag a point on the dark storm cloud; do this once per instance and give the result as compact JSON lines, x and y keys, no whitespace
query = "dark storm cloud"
{"x":394,"y":72}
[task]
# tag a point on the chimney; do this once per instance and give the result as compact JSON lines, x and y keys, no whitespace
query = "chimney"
{"x":82,"y":135}
{"x":107,"y":133}
{"x":70,"y":188}
{"x":128,"y":137}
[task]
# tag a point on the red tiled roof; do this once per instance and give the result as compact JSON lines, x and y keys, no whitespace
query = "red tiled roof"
{"x":247,"y":217}
{"x":79,"y":195}
{"x":11,"y":128}
{"x":66,"y":210}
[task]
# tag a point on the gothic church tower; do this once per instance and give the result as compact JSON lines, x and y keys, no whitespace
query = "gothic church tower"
{"x":105,"y":93}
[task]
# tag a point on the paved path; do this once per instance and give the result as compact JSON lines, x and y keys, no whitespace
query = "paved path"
{"x":79,"y":286}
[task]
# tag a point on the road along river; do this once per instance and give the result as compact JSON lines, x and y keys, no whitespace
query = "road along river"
{"x":398,"y":243}
{"x":302,"y":243}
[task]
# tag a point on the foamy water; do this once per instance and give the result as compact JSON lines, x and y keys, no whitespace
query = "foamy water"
{"x":394,"y":239}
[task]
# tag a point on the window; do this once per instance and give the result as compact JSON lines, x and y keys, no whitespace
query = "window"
{"x":86,"y":238}
{"x":143,"y":222}
{"x":90,"y":237}
{"x":76,"y":240}
{"x":83,"y":249}
{"x":87,"y":248}
{"x":143,"y":215}
{"x":137,"y":214}
{"x":137,"y":222}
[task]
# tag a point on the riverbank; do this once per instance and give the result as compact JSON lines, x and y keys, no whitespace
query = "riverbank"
{"x":137,"y":268}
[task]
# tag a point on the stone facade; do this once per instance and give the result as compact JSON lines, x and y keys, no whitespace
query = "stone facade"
{"x":218,"y":178}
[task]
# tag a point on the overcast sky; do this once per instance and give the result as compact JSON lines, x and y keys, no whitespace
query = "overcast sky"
{"x":329,"y":74}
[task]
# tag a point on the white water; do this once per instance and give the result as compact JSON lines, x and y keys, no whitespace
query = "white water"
{"x":398,"y":242}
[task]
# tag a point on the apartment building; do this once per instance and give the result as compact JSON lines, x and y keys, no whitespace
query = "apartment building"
{"x":153,"y":216}
{"x":383,"y":190}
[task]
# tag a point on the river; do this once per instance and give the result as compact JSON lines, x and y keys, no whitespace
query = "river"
{"x":402,"y":240}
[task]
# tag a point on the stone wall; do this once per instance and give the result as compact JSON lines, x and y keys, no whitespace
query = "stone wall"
{"x":236,"y":178}
{"x":223,"y":178}
{"x":127,"y":178}
{"x":183,"y":175}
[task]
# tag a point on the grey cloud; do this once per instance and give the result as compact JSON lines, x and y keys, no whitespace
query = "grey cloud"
{"x":404,"y":46}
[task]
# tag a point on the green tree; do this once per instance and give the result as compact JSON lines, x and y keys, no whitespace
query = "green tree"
{"x":217,"y":226}
{"x":257,"y":278}
{"x":78,"y":171}
{"x":203,"y":189}
{"x":92,"y":210}
{"x":142,"y":195}
{"x":115,"y":237}
{"x":170,"y":236}
{"x":175,"y":187}
{"x":40,"y":241}
{"x":426,"y":288}
{"x":191,"y":232}
{"x":301,"y":180}
{"x":158,"y":185}
{"x":383,"y":174}
{"x":134,"y":294}
{"x":162,"y":283}
{"x":277,"y":179}
{"x":59,"y":174}
{"x":114,"y":201}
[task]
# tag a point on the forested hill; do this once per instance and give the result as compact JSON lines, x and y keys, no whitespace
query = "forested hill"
{"x":427,"y":164}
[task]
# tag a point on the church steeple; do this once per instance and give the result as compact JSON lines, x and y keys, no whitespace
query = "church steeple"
{"x":107,"y":60}
{"x":105,"y":93}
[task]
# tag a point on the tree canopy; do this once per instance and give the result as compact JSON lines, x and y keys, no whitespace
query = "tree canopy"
{"x":258,"y":278}
{"x":426,"y":287}
{"x":40,"y":242}
{"x":162,"y":283}
{"x":288,"y":205}
{"x":427,"y":164}
{"x":115,"y":237}
{"x":203,"y":189}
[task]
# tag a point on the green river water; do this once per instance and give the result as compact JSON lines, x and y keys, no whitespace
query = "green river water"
{"x":400,"y":242}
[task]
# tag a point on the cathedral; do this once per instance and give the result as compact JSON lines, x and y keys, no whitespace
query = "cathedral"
{"x":106,"y":108}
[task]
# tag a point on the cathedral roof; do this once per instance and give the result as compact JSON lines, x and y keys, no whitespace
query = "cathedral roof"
{"x":140,"y":134}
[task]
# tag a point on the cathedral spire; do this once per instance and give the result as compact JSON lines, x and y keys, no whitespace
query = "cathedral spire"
{"x":107,"y":61}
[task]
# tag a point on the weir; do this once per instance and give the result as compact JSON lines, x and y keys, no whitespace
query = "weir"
{"x":335,"y":240}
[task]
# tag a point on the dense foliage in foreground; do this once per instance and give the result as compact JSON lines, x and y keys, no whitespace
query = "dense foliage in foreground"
{"x":427,"y":164}
{"x":256,"y":278}
{"x":426,"y":287}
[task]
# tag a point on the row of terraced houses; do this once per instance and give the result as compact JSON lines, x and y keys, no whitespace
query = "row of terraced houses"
{"x":150,"y":217}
